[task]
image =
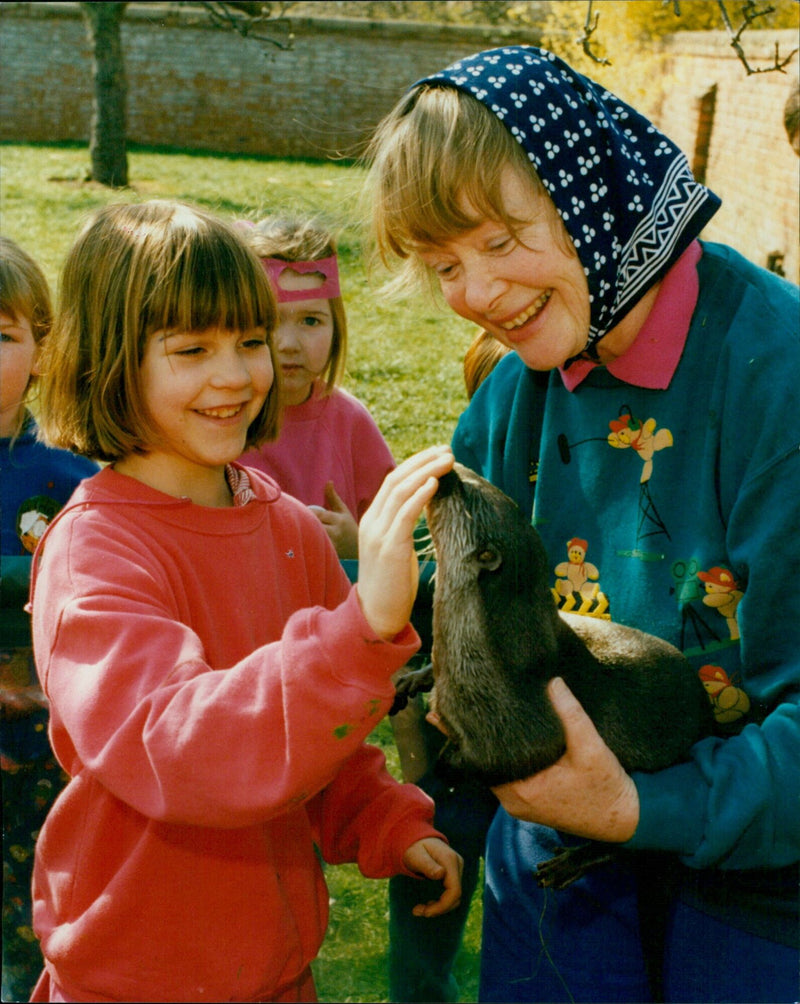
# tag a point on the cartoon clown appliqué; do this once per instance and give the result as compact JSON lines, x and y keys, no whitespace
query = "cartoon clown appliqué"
{"x":723,"y":595}
{"x":576,"y":588}
{"x":628,"y":432}
{"x":728,"y":702}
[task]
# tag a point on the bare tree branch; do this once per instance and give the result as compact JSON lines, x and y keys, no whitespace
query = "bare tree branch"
{"x":246,"y":19}
{"x":750,"y":13}
{"x":589,"y":28}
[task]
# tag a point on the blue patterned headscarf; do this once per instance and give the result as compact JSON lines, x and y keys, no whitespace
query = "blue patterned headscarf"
{"x":623,"y":190}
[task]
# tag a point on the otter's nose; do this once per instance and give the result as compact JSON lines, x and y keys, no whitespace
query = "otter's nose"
{"x":449,"y":484}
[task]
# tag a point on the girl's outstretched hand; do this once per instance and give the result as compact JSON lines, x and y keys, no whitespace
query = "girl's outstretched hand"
{"x":388,"y":570}
{"x":434,"y":859}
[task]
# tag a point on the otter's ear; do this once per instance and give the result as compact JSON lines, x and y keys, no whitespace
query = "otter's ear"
{"x":489,"y":559}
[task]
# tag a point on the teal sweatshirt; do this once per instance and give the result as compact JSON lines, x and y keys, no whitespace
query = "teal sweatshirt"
{"x":677,"y":511}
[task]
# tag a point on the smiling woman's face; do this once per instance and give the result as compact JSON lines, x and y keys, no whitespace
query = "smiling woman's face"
{"x":528,"y":290}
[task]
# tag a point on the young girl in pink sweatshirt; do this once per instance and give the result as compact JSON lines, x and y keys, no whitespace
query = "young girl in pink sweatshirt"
{"x":211,"y":672}
{"x":330,"y":453}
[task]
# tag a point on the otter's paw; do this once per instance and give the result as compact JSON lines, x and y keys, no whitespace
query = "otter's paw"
{"x":408,"y":685}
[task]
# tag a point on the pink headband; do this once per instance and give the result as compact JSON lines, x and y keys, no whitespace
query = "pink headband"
{"x":275,"y":267}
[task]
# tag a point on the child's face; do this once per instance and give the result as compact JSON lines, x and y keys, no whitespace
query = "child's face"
{"x":531,"y":296}
{"x":303,"y":337}
{"x":18,"y":358}
{"x":202,"y":390}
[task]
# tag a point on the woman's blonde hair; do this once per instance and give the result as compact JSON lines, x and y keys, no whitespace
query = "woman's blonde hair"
{"x":24,"y":293}
{"x":290,"y":238}
{"x":134,"y":270}
{"x":436,"y":166}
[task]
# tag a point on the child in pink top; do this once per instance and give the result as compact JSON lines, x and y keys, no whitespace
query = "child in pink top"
{"x":214,"y":742}
{"x":330,"y":453}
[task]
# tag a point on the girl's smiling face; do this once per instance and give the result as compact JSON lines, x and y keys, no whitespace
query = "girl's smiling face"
{"x":202,"y":391}
{"x":528,"y":289}
{"x":303,"y":338}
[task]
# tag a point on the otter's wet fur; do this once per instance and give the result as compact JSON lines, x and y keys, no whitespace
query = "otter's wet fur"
{"x":498,"y":638}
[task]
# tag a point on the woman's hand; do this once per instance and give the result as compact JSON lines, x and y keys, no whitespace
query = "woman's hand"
{"x":388,"y":568}
{"x":586,"y":792}
{"x":434,"y":859}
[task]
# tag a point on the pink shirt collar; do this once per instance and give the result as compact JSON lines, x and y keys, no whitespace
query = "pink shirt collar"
{"x":654,"y":356}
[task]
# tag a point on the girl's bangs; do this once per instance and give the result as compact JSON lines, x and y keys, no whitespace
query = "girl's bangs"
{"x":210,"y":284}
{"x":24,"y":292}
{"x":10,"y":289}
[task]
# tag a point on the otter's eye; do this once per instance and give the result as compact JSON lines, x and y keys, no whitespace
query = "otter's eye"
{"x":489,"y":559}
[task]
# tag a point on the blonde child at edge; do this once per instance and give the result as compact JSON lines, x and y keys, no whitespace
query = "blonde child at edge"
{"x":213,"y":740}
{"x":330,"y":453}
{"x":35,"y":482}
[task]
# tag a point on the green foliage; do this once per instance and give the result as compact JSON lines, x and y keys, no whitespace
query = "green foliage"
{"x":649,"y":19}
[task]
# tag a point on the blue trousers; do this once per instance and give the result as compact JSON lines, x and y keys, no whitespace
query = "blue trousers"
{"x":583,"y":943}
{"x":422,"y":950}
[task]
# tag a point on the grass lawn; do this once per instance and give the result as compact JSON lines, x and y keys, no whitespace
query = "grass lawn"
{"x":404,"y":364}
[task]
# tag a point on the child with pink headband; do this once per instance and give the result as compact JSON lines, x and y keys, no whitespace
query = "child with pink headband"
{"x":330,"y":453}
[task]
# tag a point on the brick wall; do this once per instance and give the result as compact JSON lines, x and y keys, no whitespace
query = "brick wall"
{"x":749,"y":161}
{"x":196,"y":88}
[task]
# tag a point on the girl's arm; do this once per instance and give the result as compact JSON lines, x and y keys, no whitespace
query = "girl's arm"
{"x":364,"y":815}
{"x":182,"y":735}
{"x":135,"y":702}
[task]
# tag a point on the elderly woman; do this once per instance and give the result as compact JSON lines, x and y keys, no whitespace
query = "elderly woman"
{"x":649,"y":409}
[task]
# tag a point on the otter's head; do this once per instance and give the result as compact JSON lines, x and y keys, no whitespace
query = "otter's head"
{"x":494,"y":630}
{"x":491,"y":599}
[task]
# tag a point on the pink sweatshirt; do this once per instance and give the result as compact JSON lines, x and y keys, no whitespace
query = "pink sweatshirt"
{"x":209,"y":698}
{"x":327,"y":438}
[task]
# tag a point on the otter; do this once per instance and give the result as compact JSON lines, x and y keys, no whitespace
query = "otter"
{"x":498,"y":638}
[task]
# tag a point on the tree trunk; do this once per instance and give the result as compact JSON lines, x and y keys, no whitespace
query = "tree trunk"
{"x":107,"y":146}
